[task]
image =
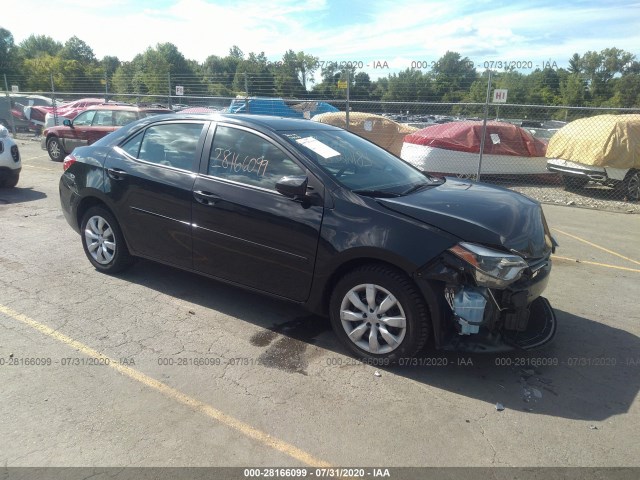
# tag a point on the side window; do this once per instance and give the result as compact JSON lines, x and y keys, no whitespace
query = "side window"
{"x":132,"y":146}
{"x":84,"y":119}
{"x":244,"y":157}
{"x":103,"y":118}
{"x":121,"y":117}
{"x":170,"y":144}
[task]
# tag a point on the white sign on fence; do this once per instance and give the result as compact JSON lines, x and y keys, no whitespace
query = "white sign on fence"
{"x":15,"y":89}
{"x":500,"y":95}
{"x":179,"y":90}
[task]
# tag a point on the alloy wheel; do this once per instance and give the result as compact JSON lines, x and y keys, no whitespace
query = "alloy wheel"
{"x":633,"y":187}
{"x":100,"y":240}
{"x":373,"y":319}
{"x":55,"y":150}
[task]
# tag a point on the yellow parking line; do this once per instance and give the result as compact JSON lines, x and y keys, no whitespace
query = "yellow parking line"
{"x":597,"y":246}
{"x":557,"y":257}
{"x":196,"y":405}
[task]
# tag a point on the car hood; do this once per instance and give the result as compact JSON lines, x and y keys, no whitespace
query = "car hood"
{"x":479,"y":213}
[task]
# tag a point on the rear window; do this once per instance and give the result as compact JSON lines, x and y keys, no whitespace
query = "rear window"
{"x":122,"y":117}
{"x":150,"y":113}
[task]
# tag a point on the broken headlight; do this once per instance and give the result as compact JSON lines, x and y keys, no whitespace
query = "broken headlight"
{"x":491,"y":268}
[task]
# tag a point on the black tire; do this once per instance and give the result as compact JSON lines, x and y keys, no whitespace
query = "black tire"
{"x":107,"y":250}
{"x":54,"y":147}
{"x":10,"y":181}
{"x":572,"y":183}
{"x":631,"y":186}
{"x":410,"y":305}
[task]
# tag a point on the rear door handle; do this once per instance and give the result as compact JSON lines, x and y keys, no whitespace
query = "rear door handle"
{"x":116,"y":173}
{"x":205,"y":198}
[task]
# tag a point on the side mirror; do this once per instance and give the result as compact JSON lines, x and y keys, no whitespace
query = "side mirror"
{"x":294,"y":187}
{"x":67,"y":123}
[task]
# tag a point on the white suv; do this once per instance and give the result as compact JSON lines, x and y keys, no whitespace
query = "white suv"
{"x":10,"y":164}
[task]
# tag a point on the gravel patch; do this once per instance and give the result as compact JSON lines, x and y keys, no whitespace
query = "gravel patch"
{"x":552,"y":191}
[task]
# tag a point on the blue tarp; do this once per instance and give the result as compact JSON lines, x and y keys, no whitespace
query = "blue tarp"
{"x":277,"y":107}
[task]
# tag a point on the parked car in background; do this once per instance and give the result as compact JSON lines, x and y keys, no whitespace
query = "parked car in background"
{"x":10,"y":164}
{"x":380,"y":130}
{"x":13,"y":106}
{"x":319,"y":216}
{"x":604,"y":149}
{"x":64,"y":110}
{"x":544,"y":134}
{"x":453,"y":149}
{"x":199,"y":110}
{"x":91,"y":125}
{"x":278,"y":107}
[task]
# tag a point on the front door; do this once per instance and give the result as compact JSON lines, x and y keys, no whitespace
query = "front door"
{"x":245,"y":231}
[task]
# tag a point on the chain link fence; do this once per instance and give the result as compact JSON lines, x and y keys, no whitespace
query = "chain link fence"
{"x":577,"y":156}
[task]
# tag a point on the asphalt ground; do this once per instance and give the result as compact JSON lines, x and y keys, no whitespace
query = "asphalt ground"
{"x":159,"y":367}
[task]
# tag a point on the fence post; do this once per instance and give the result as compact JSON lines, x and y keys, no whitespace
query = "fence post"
{"x":169,"y":97}
{"x":11,"y":121}
{"x":347,"y":106}
{"x":106,"y":86}
{"x":246,"y":91}
{"x":484,"y":126}
{"x":53,"y":98}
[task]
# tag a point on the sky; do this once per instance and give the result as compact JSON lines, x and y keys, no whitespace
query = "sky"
{"x":370,"y":33}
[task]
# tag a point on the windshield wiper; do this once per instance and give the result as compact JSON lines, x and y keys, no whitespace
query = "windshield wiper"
{"x":376,"y":193}
{"x":415,"y":188}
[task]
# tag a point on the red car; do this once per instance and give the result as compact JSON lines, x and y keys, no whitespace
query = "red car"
{"x":91,"y":125}
{"x":37,"y":115}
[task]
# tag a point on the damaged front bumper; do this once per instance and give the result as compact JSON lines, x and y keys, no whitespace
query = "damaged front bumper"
{"x":470,"y":316}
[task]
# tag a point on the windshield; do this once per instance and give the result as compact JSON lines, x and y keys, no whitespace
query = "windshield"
{"x":357,"y":164}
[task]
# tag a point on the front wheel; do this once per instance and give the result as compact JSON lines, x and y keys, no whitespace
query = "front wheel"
{"x":103,"y":241}
{"x":10,"y":181}
{"x":631,"y":185}
{"x":378,"y":313}
{"x":54,"y":147}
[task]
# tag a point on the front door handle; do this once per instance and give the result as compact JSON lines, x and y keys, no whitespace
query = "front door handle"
{"x":116,"y":173}
{"x":205,"y":198}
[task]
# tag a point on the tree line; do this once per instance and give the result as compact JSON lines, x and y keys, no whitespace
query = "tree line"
{"x":609,"y":78}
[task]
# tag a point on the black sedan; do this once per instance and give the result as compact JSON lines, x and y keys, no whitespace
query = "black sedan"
{"x":322,"y":217}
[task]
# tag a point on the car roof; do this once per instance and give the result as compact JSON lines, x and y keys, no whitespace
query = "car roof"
{"x":127,"y":107}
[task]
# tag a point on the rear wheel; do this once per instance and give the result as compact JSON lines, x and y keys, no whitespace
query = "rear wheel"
{"x":54,"y":147}
{"x":574,"y":183}
{"x":631,"y":185}
{"x":378,"y":313}
{"x":103,"y":241}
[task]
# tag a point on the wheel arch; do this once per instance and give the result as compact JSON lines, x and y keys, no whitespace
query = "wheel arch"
{"x":86,"y":203}
{"x":321,"y":294}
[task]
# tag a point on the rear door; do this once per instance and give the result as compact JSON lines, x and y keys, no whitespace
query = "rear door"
{"x":149,"y":179}
{"x":246,"y":232}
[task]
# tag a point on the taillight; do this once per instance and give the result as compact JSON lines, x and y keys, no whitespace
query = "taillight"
{"x":68,"y":161}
